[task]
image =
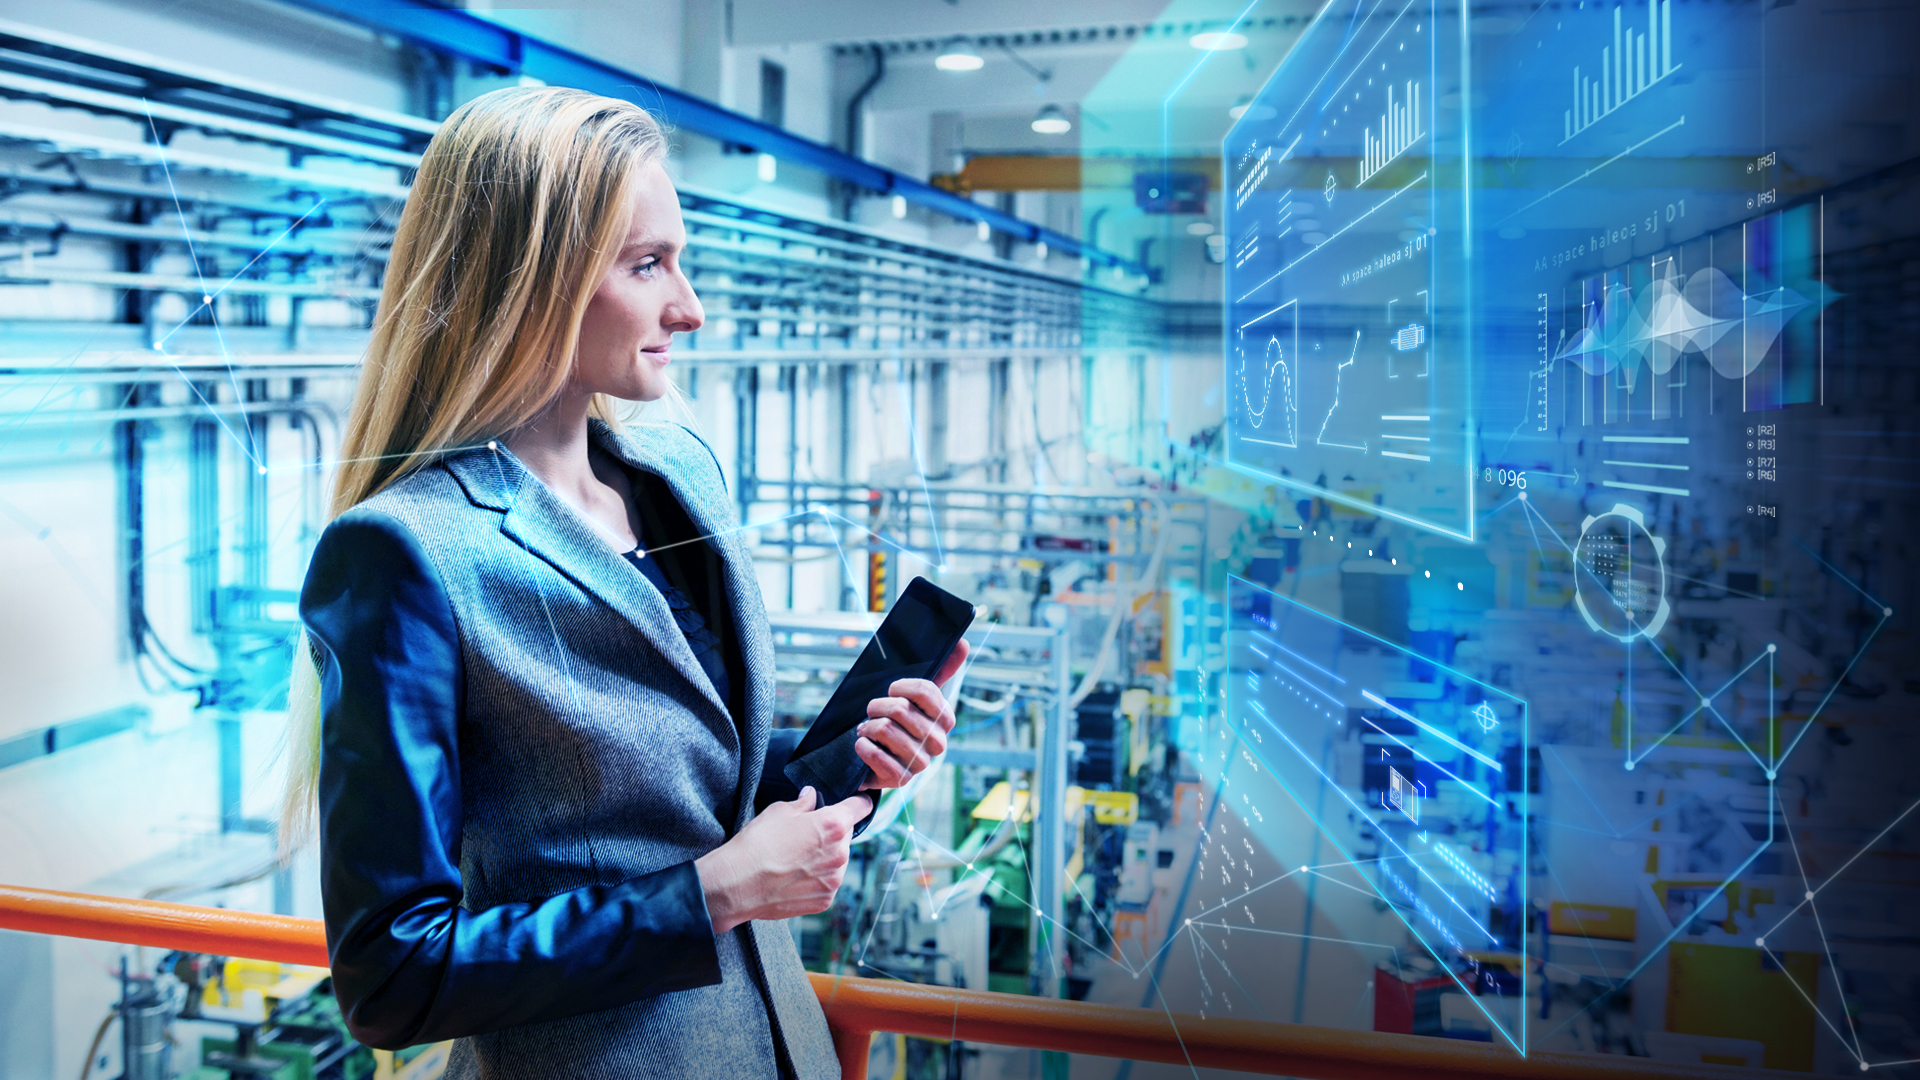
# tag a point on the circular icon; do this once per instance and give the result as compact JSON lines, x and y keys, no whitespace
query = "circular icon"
{"x":1620,"y":575}
{"x":1484,"y":714}
{"x":1330,"y":187}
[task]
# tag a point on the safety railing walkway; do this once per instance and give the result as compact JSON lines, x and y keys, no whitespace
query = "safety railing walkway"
{"x":856,"y":1008}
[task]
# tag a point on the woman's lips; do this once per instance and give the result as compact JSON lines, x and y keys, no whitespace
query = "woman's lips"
{"x":659,"y":356}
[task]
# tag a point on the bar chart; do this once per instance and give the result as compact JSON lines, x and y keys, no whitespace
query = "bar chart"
{"x":1400,"y":128}
{"x":1633,"y":63}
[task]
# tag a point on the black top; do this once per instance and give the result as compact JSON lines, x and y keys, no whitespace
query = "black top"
{"x":700,"y":637}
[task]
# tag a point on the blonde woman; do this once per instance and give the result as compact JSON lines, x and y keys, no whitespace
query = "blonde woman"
{"x":553,"y":822}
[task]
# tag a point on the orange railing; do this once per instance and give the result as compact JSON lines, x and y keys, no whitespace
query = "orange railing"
{"x":856,"y":1008}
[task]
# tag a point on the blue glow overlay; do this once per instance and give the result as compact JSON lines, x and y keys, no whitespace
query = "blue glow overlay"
{"x":1555,"y":336}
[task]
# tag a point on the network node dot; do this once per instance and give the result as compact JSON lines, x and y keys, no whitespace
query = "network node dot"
{"x":1629,"y":766}
{"x":1888,"y":612}
{"x":491,"y":445}
{"x":1809,"y":894}
{"x":206,"y":299}
{"x":1706,"y":702}
{"x":1523,"y":496}
{"x":263,"y":470}
{"x":1771,"y":774}
{"x":1760,"y":941}
{"x":1461,"y":585}
{"x":1773,"y":648}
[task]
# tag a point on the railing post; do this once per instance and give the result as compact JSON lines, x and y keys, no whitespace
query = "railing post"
{"x":854,"y":1049}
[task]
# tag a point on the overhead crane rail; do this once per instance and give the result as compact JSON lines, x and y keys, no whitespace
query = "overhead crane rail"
{"x":780,"y":286}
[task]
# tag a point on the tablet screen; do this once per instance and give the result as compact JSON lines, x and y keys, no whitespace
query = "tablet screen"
{"x":922,"y":629}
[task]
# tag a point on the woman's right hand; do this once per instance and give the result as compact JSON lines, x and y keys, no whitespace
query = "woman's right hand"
{"x":788,"y":861}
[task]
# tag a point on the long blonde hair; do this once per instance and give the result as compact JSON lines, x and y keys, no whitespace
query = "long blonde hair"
{"x":516,"y":214}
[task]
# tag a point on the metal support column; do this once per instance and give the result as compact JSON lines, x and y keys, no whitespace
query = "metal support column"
{"x":1050,"y":829}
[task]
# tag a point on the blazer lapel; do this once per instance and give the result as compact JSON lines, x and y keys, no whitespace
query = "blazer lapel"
{"x":543,"y":524}
{"x":711,"y":511}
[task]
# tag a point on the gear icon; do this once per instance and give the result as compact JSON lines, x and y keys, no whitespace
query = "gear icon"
{"x":1628,"y":588}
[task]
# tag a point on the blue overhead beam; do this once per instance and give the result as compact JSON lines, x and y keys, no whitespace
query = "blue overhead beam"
{"x":470,"y":37}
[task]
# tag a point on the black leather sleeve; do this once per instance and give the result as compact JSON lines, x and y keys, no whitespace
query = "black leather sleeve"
{"x":774,"y":785}
{"x":410,"y":964}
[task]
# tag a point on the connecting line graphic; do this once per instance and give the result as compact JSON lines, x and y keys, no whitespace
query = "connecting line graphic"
{"x":193,"y":256}
{"x":337,"y":462}
{"x":208,"y":295}
{"x":1886,"y":613}
{"x":1704,"y":702}
{"x":1809,"y":901}
{"x":1821,"y":926}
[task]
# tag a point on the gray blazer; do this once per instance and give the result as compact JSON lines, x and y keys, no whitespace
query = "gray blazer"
{"x":520,"y":758}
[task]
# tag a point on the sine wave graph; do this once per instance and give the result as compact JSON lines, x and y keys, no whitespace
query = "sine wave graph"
{"x":1275,"y":365}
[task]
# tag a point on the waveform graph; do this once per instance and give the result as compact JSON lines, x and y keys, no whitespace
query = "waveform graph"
{"x":1633,"y":63}
{"x":1648,"y":329}
{"x":1401,"y":127}
{"x":1268,"y":376}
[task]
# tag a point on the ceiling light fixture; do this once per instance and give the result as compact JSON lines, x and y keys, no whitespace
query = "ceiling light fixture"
{"x":1052,"y":121}
{"x":959,"y":56}
{"x":1218,"y":40}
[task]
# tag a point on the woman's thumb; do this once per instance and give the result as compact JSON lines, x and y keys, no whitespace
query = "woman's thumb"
{"x":807,"y":798}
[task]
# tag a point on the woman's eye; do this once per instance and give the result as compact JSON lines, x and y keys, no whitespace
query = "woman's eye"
{"x":647,"y":267}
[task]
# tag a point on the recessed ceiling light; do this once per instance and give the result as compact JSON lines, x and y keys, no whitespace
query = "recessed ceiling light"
{"x":1214,"y":40}
{"x":1051,"y":121}
{"x":958,"y":56}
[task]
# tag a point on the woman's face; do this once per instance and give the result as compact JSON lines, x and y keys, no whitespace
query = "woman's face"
{"x":641,"y":303}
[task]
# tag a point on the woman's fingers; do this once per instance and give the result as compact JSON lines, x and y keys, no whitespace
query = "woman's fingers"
{"x":913,"y":746}
{"x":924,"y":696}
{"x":887,"y":773}
{"x":916,"y":727}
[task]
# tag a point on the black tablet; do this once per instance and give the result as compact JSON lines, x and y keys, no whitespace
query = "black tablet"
{"x":913,"y":641}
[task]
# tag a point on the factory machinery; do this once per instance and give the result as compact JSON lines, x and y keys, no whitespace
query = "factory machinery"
{"x":191,"y":264}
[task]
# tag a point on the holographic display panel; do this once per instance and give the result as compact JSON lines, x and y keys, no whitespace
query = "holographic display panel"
{"x":1416,"y":772}
{"x":1348,"y":350}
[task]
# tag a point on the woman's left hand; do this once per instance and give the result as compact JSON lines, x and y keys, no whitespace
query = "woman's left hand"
{"x":906,"y":730}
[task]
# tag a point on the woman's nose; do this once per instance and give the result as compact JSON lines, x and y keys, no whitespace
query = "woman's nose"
{"x":684,"y":315}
